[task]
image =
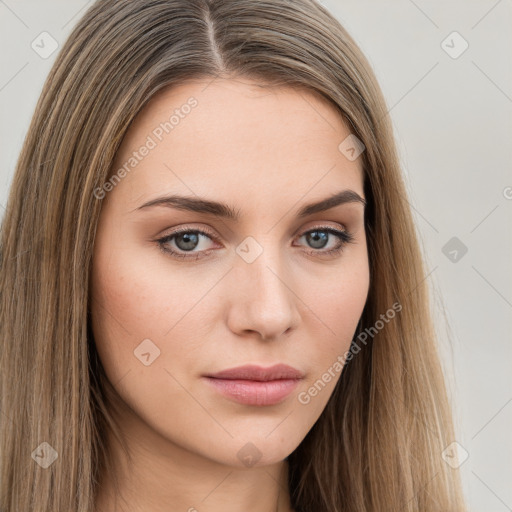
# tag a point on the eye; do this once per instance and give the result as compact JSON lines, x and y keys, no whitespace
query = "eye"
{"x":319,"y":238}
{"x":183,"y":242}
{"x":186,"y":240}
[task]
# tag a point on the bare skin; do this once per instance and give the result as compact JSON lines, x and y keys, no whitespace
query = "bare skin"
{"x":266,"y":154}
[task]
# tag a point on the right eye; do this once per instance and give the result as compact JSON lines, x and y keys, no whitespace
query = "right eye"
{"x":185,"y":241}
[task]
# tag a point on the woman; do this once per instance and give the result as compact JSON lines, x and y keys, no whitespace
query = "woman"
{"x":212,"y":291}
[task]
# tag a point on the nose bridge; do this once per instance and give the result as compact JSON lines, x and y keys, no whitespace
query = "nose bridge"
{"x":264,"y":300}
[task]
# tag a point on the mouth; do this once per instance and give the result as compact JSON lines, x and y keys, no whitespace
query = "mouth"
{"x":255,"y":385}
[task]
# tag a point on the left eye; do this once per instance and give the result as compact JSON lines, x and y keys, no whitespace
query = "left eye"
{"x":319,"y":238}
{"x":186,"y":240}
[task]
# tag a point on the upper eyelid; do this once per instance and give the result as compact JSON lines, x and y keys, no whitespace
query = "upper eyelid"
{"x":211,"y":234}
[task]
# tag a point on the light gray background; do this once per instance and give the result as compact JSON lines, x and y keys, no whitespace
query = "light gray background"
{"x":453,"y":125}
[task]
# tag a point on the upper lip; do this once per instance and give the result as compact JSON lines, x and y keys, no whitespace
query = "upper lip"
{"x":259,"y":373}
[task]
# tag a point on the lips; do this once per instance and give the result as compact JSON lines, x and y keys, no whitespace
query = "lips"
{"x":255,"y":385}
{"x":253,"y":372}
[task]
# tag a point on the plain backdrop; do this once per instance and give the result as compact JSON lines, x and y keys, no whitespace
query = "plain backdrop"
{"x":445,"y":69}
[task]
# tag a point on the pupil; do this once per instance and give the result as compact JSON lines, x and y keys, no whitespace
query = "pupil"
{"x":319,"y":239}
{"x":190,"y":241}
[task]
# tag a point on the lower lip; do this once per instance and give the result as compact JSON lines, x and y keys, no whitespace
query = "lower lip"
{"x":251,"y":392}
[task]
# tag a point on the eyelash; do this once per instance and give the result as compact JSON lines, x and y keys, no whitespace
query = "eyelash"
{"x":344,"y":237}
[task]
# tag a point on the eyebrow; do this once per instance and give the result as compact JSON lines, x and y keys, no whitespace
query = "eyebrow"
{"x":200,"y":205}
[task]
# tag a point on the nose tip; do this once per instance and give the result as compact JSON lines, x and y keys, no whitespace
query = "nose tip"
{"x":262,"y":299}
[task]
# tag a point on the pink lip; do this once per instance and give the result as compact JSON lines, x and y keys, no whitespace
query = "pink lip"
{"x":254,"y":372}
{"x":255,"y":385}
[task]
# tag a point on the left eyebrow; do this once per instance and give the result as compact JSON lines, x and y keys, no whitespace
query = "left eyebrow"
{"x":201,"y":205}
{"x":343,"y":197}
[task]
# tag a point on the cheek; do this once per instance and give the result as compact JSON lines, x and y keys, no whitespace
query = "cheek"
{"x":336,"y":308}
{"x":344,"y":312}
{"x":132,"y":310}
{"x":124,"y":302}
{"x":137,"y":296}
{"x":340,"y":300}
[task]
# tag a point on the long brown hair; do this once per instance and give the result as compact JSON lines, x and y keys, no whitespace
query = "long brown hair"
{"x":377,"y":445}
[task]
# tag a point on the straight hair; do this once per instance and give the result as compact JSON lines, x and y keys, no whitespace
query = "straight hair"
{"x":378,"y":443}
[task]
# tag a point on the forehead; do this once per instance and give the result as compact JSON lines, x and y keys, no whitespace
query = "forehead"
{"x":230,"y":135}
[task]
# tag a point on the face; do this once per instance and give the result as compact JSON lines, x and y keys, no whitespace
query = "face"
{"x":183,"y":289}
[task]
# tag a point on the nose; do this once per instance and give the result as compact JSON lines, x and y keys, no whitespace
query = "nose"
{"x":261,"y":298}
